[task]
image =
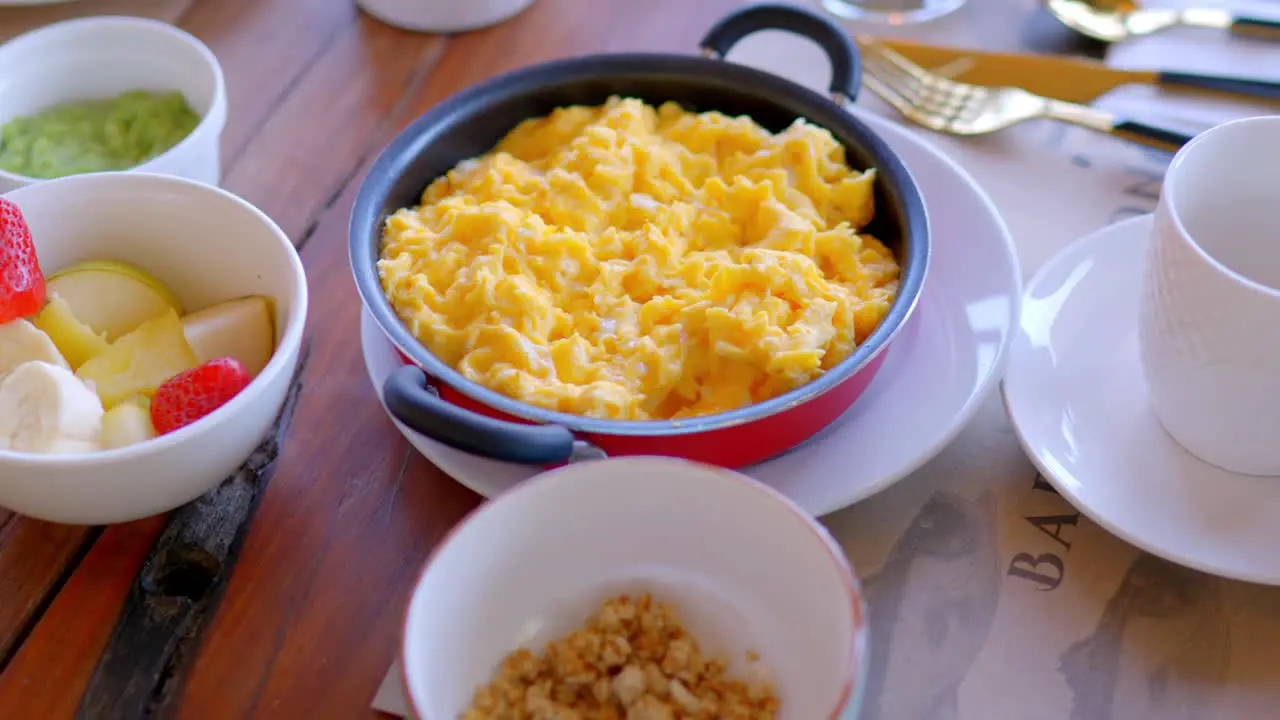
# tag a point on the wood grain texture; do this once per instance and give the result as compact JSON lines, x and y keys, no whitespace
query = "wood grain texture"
{"x":35,"y":558}
{"x":309,"y":619}
{"x":552,"y":29}
{"x":265,"y":49}
{"x":48,"y":674}
{"x":332,"y":118}
{"x":317,"y":597}
{"x":138,"y":672}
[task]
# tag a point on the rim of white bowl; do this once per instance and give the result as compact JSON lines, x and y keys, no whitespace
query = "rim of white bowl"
{"x":290,"y":337}
{"x":214,"y":119}
{"x":851,"y":692}
{"x":1170,"y":205}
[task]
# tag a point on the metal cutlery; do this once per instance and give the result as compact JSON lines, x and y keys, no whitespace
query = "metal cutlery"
{"x":1117,"y":20}
{"x":1065,"y":78}
{"x":942,"y":104}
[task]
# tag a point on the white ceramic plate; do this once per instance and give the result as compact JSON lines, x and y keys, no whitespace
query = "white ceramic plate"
{"x":935,"y":375}
{"x":1077,"y":398}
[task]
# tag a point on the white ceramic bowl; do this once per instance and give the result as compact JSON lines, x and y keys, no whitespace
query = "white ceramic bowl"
{"x":100,"y":57}
{"x":745,"y":567}
{"x":443,"y":16}
{"x":207,"y":246}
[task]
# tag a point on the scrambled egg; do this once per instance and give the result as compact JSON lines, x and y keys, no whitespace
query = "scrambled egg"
{"x":633,"y":263}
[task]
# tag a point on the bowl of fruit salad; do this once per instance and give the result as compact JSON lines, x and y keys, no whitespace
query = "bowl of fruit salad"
{"x":149,"y":330}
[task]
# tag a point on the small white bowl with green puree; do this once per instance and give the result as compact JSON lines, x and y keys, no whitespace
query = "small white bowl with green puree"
{"x":109,"y":93}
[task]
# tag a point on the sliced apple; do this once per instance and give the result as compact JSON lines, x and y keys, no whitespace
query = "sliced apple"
{"x":242,"y":329}
{"x":77,"y":341}
{"x":126,"y":424}
{"x":141,"y":361}
{"x":112,"y":297}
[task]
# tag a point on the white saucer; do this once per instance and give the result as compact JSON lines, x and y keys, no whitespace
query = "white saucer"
{"x":1077,"y":398}
{"x":935,"y":375}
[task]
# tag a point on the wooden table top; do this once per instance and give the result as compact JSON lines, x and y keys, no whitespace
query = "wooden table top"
{"x":297,"y":614}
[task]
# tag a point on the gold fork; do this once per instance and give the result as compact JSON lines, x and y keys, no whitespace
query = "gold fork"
{"x":942,"y":104}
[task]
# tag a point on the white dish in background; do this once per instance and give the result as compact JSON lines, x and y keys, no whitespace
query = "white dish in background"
{"x":1077,"y":398}
{"x":729,"y":554}
{"x":443,"y":16}
{"x":935,"y":375}
{"x":101,"y":57}
{"x":207,"y":246}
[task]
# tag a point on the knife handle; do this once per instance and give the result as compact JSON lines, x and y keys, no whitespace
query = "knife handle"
{"x":1221,"y":83}
{"x":1256,"y":27}
{"x":1150,"y":135}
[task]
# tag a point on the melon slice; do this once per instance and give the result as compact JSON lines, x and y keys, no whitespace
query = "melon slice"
{"x":242,"y":329}
{"x":112,"y":297}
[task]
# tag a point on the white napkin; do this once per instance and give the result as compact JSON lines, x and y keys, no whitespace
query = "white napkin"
{"x":1053,"y":184}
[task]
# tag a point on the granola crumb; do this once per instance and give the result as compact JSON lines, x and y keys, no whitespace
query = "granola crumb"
{"x":632,"y":660}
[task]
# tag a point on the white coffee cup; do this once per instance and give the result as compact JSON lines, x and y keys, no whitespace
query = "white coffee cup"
{"x":1209,"y":320}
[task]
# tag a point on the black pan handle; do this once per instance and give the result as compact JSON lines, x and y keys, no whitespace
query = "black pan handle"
{"x":413,"y":402}
{"x":1256,"y":27}
{"x":1249,"y":87}
{"x":846,"y":70}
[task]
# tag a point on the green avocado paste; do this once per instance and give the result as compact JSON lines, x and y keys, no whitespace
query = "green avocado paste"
{"x":95,"y":135}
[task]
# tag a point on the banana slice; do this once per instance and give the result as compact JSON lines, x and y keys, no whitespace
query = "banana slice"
{"x":45,"y":408}
{"x":21,"y":342}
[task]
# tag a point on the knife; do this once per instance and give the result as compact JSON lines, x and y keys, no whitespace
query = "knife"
{"x":1065,"y":78}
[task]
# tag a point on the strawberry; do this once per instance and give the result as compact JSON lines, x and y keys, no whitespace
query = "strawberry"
{"x":21,"y":282}
{"x":189,"y":396}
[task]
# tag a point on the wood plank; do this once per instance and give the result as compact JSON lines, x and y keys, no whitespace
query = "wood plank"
{"x":317,"y":597}
{"x":317,"y":137}
{"x":179,"y":585}
{"x":363,"y":50}
{"x":264,"y":48}
{"x":311,"y":615}
{"x":35,"y":559}
{"x":50,"y":671}
{"x":552,"y":29}
{"x":287,"y":35}
{"x":314,"y":601}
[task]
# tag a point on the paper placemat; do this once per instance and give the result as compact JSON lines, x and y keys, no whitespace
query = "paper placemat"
{"x":15,"y":20}
{"x":991,"y":597}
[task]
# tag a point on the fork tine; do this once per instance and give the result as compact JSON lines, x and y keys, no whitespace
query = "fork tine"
{"x":940,"y":103}
{"x":930,"y":91}
{"x":897,"y":60}
{"x":900,"y":91}
{"x":888,"y":93}
{"x":908,"y":87}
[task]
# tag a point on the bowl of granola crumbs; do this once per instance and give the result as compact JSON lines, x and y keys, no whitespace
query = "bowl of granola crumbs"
{"x":636,"y":588}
